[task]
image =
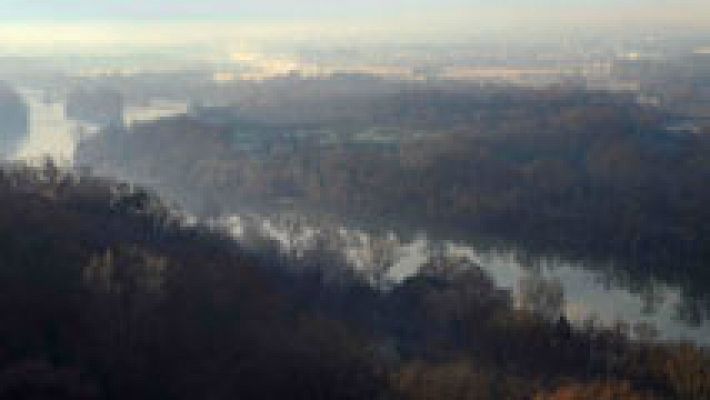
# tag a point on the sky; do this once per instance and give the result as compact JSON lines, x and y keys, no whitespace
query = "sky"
{"x":289,"y":10}
{"x":161,"y":21}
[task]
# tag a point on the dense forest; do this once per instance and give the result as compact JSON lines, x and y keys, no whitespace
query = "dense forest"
{"x":108,"y":293}
{"x":586,"y":173}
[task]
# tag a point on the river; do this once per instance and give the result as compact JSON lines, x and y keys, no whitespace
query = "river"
{"x":52,"y":133}
{"x":589,"y":293}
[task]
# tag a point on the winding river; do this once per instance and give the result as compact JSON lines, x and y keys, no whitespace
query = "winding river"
{"x":589,"y":293}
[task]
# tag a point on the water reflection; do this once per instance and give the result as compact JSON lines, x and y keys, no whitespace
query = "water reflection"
{"x":551,"y":285}
{"x":153,"y":110}
{"x":50,"y":132}
{"x":581,"y":290}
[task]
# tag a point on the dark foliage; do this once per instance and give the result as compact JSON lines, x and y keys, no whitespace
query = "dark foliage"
{"x":105,"y":294}
{"x":589,"y":174}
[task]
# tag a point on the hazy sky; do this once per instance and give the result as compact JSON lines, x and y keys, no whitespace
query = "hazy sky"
{"x":250,"y":10}
{"x":159,"y":21}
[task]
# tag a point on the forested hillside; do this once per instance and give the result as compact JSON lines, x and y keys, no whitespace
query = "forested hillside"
{"x":105,"y":293}
{"x":583,"y":173}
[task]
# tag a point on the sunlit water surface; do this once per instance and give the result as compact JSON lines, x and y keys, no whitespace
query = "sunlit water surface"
{"x":588,"y":294}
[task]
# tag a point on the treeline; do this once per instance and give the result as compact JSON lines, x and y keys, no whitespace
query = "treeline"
{"x":560,"y":170}
{"x":105,"y":293}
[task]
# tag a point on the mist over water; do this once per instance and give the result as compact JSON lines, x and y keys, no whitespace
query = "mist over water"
{"x":50,"y":132}
{"x":588,"y":293}
{"x":414,"y":200}
{"x":595,"y":292}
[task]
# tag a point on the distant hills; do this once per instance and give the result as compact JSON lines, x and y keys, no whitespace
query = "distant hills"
{"x":105,"y":294}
